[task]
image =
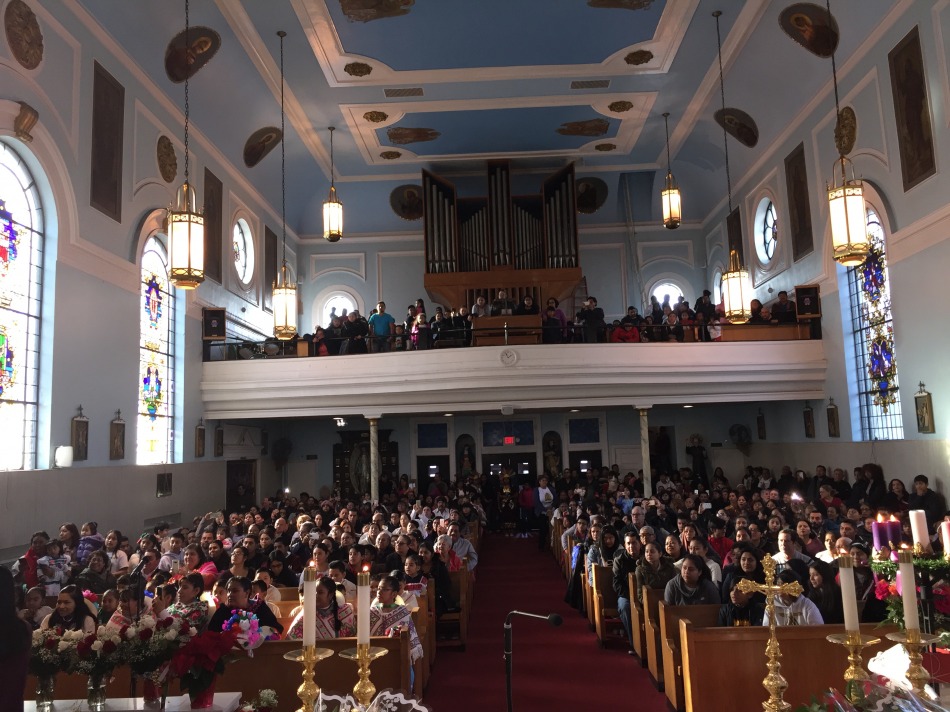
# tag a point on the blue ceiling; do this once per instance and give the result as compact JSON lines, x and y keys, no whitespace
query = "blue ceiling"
{"x":495,"y":79}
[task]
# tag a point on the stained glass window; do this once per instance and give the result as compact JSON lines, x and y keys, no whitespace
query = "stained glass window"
{"x":156,"y":357}
{"x":21,"y":274}
{"x":873,"y":336}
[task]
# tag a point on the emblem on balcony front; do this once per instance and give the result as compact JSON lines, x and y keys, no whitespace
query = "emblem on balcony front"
{"x":508,"y":357}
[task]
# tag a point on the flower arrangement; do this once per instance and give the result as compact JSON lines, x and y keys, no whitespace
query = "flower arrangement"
{"x":250,"y":633}
{"x":874,"y":696}
{"x":48,"y":653}
{"x":266,"y":702}
{"x":151,"y":642}
{"x":888,"y":589}
{"x":199,"y":660}
{"x":95,"y":654}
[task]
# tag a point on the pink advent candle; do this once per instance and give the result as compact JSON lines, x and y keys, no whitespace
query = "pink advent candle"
{"x":945,"y":537}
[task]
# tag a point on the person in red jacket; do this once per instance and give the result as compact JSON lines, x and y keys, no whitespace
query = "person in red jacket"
{"x":718,"y":541}
{"x":626,"y":334}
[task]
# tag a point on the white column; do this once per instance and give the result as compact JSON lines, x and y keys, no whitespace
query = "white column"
{"x":645,"y":450}
{"x":374,"y":459}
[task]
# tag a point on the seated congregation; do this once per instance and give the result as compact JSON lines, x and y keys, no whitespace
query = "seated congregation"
{"x":421,"y":561}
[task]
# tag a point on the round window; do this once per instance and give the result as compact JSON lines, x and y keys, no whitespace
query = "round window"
{"x":766,"y":230}
{"x":243,"y":252}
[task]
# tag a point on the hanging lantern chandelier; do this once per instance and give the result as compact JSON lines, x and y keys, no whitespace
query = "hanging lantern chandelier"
{"x":736,"y":285}
{"x":285,"y":291}
{"x":670,"y":197}
{"x":186,"y":224}
{"x":849,"y":229}
{"x":332,"y":207}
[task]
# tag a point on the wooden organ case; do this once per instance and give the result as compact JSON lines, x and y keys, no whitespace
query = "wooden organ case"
{"x":526,"y":244}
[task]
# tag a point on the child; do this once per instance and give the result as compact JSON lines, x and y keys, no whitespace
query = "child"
{"x":52,"y":569}
{"x":36,"y":609}
{"x":108,"y":605}
{"x":399,"y":340}
{"x":420,"y":333}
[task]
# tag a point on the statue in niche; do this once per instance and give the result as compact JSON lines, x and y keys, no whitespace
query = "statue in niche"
{"x":360,"y":468}
{"x":552,"y":458}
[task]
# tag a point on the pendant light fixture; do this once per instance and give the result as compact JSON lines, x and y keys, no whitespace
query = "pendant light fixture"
{"x":186,"y":224}
{"x":670,"y":197}
{"x":332,"y":207}
{"x":285,"y":291}
{"x":849,"y":230}
{"x":736,"y":285}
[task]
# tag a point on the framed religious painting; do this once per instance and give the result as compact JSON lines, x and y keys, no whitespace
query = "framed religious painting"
{"x":834,"y":426}
{"x":799,"y":208}
{"x":117,"y":438}
{"x":760,"y":425}
{"x":915,"y":140}
{"x":219,"y":442}
{"x":808,"y":417}
{"x":108,"y":118}
{"x":200,"y":439}
{"x":924,"y":408}
{"x":79,"y":437}
{"x":163,"y":484}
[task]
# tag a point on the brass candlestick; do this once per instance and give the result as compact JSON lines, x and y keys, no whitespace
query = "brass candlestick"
{"x":308,"y":656}
{"x":854,"y":641}
{"x":914,"y":643}
{"x":364,"y":690}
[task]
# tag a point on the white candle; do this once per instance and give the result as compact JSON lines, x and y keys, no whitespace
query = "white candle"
{"x":945,"y":537}
{"x":309,"y":606}
{"x":362,"y":613}
{"x":848,"y":596}
{"x":908,"y":590}
{"x":919,"y":529}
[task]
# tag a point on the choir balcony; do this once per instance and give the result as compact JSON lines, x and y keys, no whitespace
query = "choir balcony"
{"x":272,"y":381}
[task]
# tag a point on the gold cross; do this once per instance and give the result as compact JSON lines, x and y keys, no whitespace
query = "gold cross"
{"x":773,"y":682}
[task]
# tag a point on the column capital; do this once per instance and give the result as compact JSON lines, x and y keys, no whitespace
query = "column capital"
{"x":643,"y":406}
{"x":372,"y":416}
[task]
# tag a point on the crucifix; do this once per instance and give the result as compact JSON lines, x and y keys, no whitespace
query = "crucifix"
{"x":773,"y":682}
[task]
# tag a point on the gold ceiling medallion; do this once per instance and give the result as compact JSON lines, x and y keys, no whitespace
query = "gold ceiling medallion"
{"x":369,"y":10}
{"x":358,"y":69}
{"x":390,"y":155}
{"x":618,"y":107}
{"x":25,"y":121}
{"x":401,"y":136}
{"x":167,"y":159}
{"x":846,"y":130}
{"x":739,"y":125}
{"x":638,"y":57}
{"x":260,"y":143}
{"x":604,"y":147}
{"x":621,"y":4}
{"x":184,"y":56}
{"x":375,"y":117}
{"x":23,"y":34}
{"x":590,"y":127}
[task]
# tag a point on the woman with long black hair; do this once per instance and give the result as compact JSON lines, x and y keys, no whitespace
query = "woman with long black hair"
{"x":334,"y":619}
{"x":71,"y":612}
{"x":15,"y":638}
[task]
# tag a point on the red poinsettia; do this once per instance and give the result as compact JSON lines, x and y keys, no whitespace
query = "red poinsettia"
{"x":200,"y":659}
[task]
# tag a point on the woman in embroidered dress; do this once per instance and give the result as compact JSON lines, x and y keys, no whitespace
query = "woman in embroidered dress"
{"x":388,"y":618}
{"x":189,"y":606}
{"x":334,"y":617}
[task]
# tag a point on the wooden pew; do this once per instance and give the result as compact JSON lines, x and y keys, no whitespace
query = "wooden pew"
{"x":810,"y":663}
{"x":268,"y":669}
{"x":289,"y":593}
{"x":702,"y":615}
{"x":637,"y":622}
{"x":605,"y":602}
{"x":651,"y":624}
{"x":460,"y":592}
{"x":286,"y":607}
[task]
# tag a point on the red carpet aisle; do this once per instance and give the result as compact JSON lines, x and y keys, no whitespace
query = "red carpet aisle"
{"x":555,"y":669}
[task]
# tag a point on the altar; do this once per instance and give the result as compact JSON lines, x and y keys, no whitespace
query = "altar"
{"x":223,"y":702}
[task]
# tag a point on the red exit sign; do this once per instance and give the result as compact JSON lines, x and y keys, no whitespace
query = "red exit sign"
{"x":509,"y":440}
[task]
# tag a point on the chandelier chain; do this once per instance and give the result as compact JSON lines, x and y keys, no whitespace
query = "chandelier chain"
{"x":722,"y":97}
{"x":187,"y":45}
{"x":834,"y":70}
{"x":666,"y":122}
{"x":331,"y":157}
{"x":283,"y":156}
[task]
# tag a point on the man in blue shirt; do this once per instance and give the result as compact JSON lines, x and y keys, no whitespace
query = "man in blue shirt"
{"x":381,"y":328}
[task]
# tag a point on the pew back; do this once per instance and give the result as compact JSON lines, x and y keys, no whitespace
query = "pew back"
{"x":703,"y":615}
{"x":651,"y":602}
{"x":637,"y":621}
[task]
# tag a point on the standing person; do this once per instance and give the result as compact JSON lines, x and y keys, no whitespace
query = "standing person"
{"x":592,"y":317}
{"x":543,"y":505}
{"x":382,"y":326}
{"x":15,"y":640}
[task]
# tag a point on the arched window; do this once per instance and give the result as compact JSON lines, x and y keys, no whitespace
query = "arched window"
{"x":667,"y":289}
{"x":243,"y":246}
{"x":765,"y":230}
{"x":21,"y":289}
{"x":155,"y":419}
{"x":875,"y":362}
{"x":335,"y":305}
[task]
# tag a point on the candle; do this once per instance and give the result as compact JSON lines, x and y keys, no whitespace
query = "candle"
{"x":894,"y":533}
{"x":310,"y":606}
{"x":879,"y":532}
{"x":945,"y":537}
{"x":848,"y":595}
{"x":362,"y":603}
{"x":909,"y":590}
{"x":919,"y":529}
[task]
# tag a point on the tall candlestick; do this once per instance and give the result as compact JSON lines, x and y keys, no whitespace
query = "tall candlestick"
{"x":909,"y":593}
{"x":362,"y":613}
{"x":309,"y":606}
{"x":849,"y":597}
{"x":919,"y":529}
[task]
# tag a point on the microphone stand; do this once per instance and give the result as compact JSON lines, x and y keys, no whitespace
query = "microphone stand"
{"x":554,"y":619}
